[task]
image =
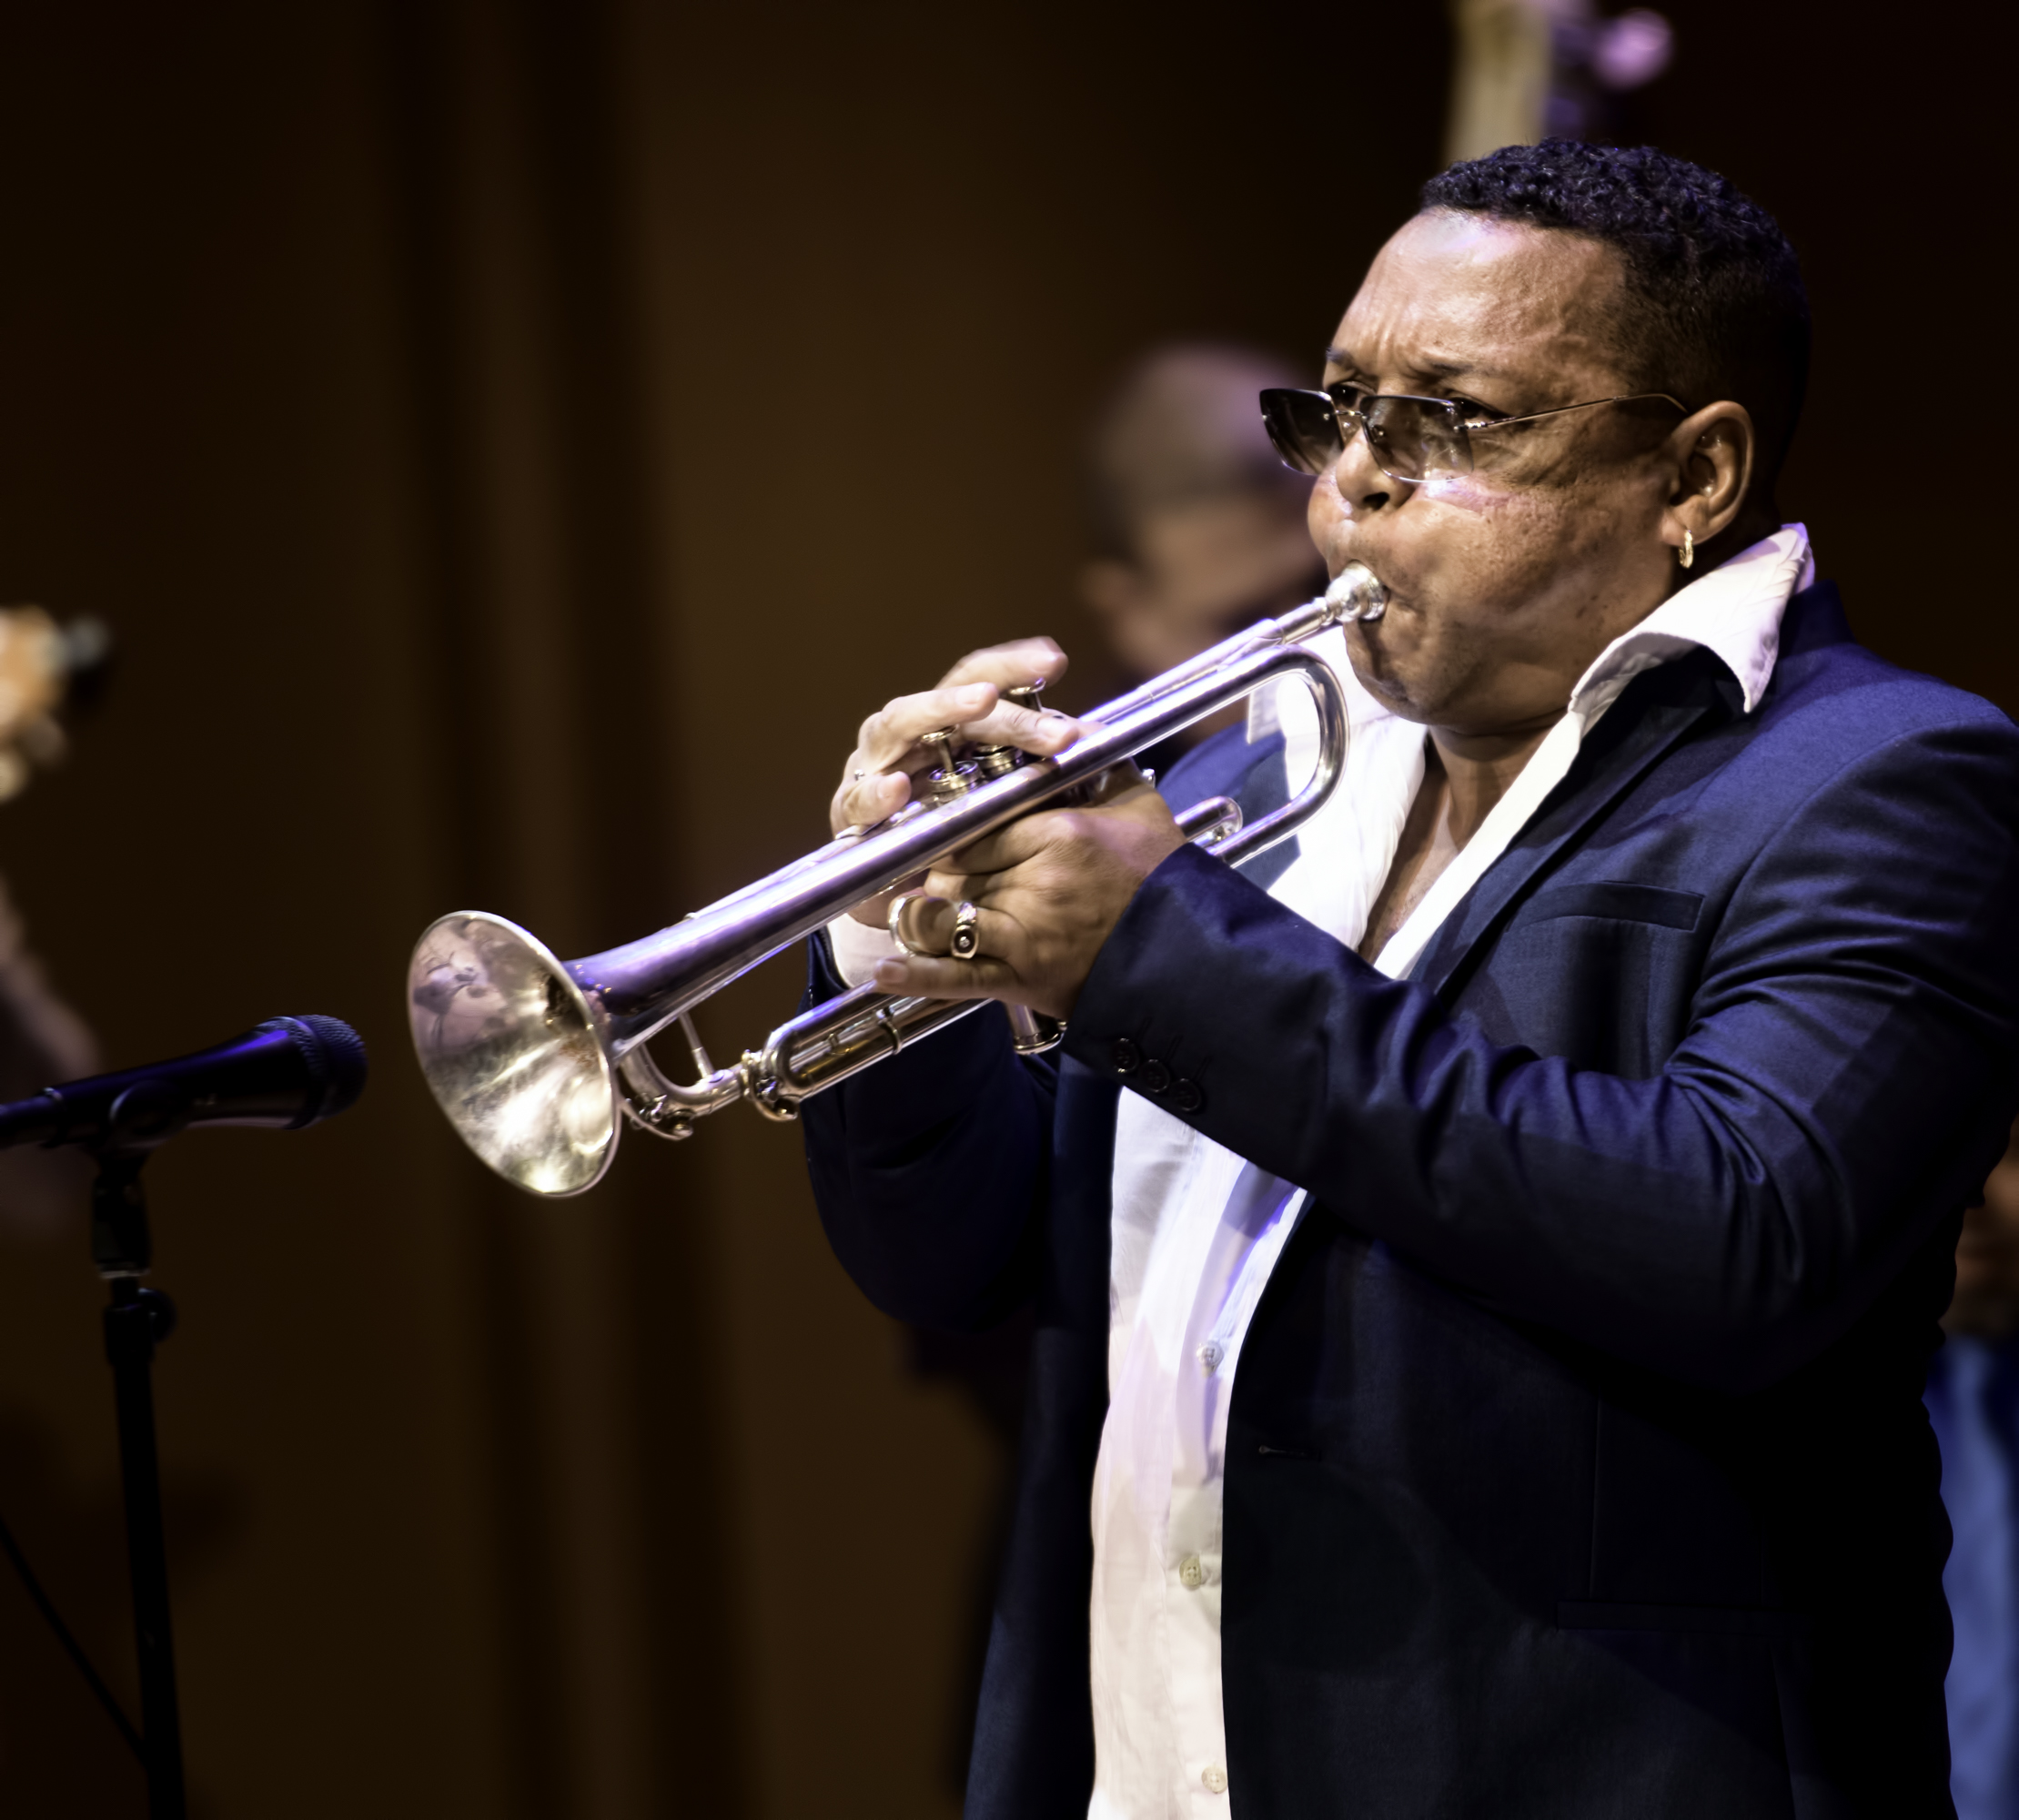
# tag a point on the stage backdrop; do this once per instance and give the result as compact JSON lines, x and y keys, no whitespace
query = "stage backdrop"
{"x":514,"y":445}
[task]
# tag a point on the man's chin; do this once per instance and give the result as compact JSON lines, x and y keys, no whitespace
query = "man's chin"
{"x":1367,"y":650}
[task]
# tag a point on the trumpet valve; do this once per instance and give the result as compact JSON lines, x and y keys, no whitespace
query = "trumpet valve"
{"x":953,"y":775}
{"x":999,"y":761}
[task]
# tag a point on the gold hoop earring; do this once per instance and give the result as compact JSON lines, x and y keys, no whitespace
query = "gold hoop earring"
{"x":1688,"y":554}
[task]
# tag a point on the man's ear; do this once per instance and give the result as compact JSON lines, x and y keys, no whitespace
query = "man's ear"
{"x":1711,"y":454}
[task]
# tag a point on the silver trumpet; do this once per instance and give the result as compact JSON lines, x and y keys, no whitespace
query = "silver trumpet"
{"x":538,"y":1062}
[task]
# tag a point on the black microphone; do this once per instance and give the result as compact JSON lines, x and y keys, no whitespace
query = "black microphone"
{"x":286,"y":1073}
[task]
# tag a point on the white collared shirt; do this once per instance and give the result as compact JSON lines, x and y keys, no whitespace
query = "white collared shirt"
{"x":1196,"y":1230}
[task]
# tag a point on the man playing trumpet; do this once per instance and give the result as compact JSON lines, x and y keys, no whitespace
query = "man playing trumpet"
{"x":1485,"y":1279}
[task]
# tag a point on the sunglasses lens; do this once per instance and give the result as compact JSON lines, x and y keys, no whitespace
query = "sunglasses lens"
{"x":1304,"y":428}
{"x":1410,"y":436}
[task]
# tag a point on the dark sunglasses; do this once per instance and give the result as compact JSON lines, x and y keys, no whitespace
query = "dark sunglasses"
{"x":1406,"y":436}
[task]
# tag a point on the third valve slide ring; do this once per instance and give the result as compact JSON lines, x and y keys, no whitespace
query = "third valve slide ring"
{"x":966,"y":945}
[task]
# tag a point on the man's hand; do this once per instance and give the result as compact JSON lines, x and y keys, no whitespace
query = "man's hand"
{"x":876,"y":782}
{"x":1050,"y":889}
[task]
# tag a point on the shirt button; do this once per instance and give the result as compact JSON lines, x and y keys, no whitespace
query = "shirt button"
{"x":1215,"y":1779}
{"x":1187,"y":1098}
{"x":1125,"y":1056}
{"x":1210,"y":1355}
{"x":1155,"y":1077}
{"x":1192,"y":1570}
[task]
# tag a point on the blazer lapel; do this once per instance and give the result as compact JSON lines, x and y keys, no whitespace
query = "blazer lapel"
{"x":1657,"y":710}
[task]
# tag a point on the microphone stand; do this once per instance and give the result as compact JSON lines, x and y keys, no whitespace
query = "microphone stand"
{"x":136,"y":1320}
{"x":286,"y":1073}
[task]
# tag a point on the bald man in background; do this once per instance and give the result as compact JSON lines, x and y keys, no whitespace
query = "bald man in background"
{"x":1199,"y":528}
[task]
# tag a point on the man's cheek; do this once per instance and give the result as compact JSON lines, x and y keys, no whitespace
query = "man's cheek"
{"x":1472,"y":544}
{"x":1470,"y":495}
{"x":1451,"y":525}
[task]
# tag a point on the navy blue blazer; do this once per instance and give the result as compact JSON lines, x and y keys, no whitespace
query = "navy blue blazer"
{"x":1576,"y":1463}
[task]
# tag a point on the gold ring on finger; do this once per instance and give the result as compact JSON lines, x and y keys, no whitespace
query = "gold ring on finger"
{"x":966,"y":945}
{"x":895,"y":921}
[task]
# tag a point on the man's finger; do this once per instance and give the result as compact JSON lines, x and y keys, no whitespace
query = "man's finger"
{"x":1022,"y":841}
{"x":874,"y":912}
{"x":1011,"y":665}
{"x":946,"y":979}
{"x":866,"y":798}
{"x":950,"y":887}
{"x":889,"y":735}
{"x":1042,"y":730}
{"x":930,"y":920}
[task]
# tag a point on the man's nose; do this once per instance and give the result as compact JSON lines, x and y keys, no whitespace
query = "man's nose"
{"x":1362,"y":485}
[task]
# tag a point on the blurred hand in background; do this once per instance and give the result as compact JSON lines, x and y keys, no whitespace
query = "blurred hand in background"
{"x":1974,"y":1402}
{"x":1986,"y":1304}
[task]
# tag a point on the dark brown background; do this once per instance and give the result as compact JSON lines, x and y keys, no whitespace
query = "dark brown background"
{"x":514,"y":445}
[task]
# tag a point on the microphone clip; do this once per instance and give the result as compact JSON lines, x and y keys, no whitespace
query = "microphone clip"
{"x":143,"y":1118}
{"x":121,"y":1243}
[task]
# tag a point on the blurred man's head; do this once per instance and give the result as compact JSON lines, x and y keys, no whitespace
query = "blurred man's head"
{"x":1201,"y":530}
{"x":1987,"y":1260}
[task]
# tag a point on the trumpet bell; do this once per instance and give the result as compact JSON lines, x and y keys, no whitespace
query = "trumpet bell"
{"x":510,"y":1049}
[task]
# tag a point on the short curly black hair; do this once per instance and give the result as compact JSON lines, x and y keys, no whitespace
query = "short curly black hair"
{"x":1715,"y":304}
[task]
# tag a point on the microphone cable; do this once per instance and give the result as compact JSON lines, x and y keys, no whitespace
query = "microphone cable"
{"x":71,"y":1646}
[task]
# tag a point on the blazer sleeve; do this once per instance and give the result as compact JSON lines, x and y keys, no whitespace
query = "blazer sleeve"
{"x":930,"y":1170}
{"x":1844,"y":1085}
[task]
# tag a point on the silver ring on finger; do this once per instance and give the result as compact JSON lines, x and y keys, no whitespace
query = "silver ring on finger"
{"x":894,"y":922}
{"x":858,"y":776}
{"x":966,"y":944}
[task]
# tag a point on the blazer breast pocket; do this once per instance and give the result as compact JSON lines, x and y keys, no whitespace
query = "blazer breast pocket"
{"x":1617,"y":901}
{"x":1600,"y":973}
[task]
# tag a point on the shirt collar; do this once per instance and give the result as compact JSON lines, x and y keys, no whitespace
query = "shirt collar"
{"x":1734,"y":612}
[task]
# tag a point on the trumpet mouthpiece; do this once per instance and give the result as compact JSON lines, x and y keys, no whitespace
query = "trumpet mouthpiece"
{"x":1354,"y":594}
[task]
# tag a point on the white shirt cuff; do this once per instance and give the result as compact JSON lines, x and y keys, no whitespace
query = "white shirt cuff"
{"x":858,"y":947}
